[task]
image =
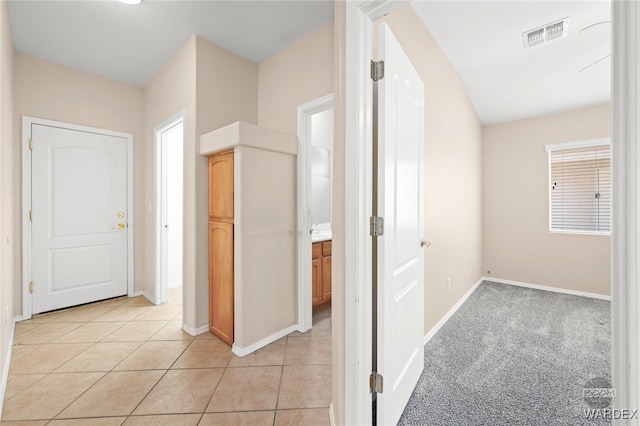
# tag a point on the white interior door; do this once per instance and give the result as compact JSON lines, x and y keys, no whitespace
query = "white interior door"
{"x":400,"y":202}
{"x":79,"y":224}
{"x":171,"y":207}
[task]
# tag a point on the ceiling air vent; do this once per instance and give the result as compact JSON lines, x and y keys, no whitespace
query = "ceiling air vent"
{"x":540,"y":35}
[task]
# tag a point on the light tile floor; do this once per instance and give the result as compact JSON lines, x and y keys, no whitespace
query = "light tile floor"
{"x":127,"y":362}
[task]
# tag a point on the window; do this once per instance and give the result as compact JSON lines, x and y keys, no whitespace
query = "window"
{"x":580,"y":187}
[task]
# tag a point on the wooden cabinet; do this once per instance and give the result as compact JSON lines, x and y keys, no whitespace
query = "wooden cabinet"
{"x":321,"y":272}
{"x":221,"y":186}
{"x":316,"y":274}
{"x":221,"y":276}
{"x":221,"y":280}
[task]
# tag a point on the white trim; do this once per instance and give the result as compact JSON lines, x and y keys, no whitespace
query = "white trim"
{"x":150,"y":298}
{"x":7,"y":363}
{"x":548,"y":288}
{"x":589,"y":143}
{"x":625,"y":238}
{"x":358,"y":202}
{"x":27,"y":122}
{"x":452,"y":311}
{"x":601,"y":233}
{"x":332,"y":419}
{"x":26,"y":223}
{"x":137,"y":293}
{"x":244,"y":351}
{"x":569,"y":145}
{"x":195,"y":331}
{"x":161,"y":293}
{"x":305,"y":112}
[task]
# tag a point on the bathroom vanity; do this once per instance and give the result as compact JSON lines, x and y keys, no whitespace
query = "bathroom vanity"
{"x":321,"y":272}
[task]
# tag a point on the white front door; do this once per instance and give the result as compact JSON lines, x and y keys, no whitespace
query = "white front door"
{"x":401,"y":204}
{"x":79,"y":217}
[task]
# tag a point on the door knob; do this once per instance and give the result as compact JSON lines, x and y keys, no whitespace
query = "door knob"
{"x":119,"y":226}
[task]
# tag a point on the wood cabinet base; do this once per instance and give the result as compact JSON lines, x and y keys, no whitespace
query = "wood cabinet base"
{"x":321,"y":273}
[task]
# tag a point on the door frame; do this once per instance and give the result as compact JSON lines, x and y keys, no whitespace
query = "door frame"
{"x":625,"y":235}
{"x":305,"y":112}
{"x":358,"y":204}
{"x":160,"y":293}
{"x":27,"y":261}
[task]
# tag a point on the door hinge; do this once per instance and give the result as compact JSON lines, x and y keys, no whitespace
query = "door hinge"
{"x":30,"y":143}
{"x":30,"y":215}
{"x":375,"y":382}
{"x":31,"y":287}
{"x":376,"y":226}
{"x":377,"y":70}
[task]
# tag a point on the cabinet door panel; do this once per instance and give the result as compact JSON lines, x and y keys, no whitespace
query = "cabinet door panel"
{"x":221,"y":280}
{"x":326,"y":248}
{"x":221,"y":186}
{"x":316,"y":250}
{"x":316,"y":282}
{"x":326,"y":278}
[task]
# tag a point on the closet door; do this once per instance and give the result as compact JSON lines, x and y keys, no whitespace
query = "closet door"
{"x":221,"y":280}
{"x":221,"y":186}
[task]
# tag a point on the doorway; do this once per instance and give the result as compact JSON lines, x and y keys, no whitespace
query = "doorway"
{"x":315,"y":173}
{"x":169,"y":207}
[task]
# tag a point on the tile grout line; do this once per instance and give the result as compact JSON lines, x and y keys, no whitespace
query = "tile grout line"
{"x":284,"y":360}
{"x":214,"y":390}
{"x":101,"y":377}
{"x":161,"y":377}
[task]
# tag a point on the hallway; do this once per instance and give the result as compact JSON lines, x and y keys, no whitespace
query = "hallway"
{"x":126,"y":361}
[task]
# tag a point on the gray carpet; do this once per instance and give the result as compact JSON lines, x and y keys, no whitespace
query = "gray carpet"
{"x":513,"y":355}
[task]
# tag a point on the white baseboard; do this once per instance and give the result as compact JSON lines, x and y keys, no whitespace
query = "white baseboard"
{"x":7,"y":363}
{"x":452,"y":311}
{"x":547,"y":288}
{"x":155,"y":300}
{"x":136,"y":293}
{"x":195,"y":331}
{"x":332,"y":419}
{"x":244,"y":351}
{"x":303,"y":328}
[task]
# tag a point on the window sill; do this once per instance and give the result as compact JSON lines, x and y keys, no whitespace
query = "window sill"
{"x":602,"y":234}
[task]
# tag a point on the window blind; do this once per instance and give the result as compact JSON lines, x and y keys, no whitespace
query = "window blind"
{"x":580,"y":189}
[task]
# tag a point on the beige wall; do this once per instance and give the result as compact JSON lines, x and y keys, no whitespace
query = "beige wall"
{"x":265,"y":234}
{"x":226,"y":92}
{"x":517,"y":243}
{"x":453,"y":174}
{"x":54,"y":92}
{"x":173,"y":90}
{"x":297,"y":75}
{"x":9,"y":205}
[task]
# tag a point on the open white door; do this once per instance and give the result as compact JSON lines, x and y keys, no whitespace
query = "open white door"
{"x":79,"y":225}
{"x":400,"y":329}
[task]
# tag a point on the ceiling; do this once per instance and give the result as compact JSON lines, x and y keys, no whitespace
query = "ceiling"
{"x":132,"y":43}
{"x":505,"y":81}
{"x":482,"y":39}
